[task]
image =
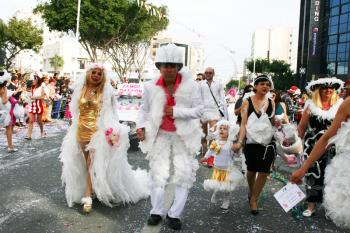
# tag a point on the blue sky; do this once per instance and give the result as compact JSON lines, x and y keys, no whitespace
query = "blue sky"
{"x":220,"y":25}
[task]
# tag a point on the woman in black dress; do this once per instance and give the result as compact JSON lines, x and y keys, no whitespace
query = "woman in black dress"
{"x":317,"y":117}
{"x":257,"y":132}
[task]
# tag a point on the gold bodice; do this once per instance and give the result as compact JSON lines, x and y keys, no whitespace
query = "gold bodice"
{"x":89,"y":112}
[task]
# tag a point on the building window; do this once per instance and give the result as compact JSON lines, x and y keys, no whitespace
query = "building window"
{"x":332,"y":39}
{"x":344,"y":37}
{"x":335,"y":11}
{"x":333,"y":20}
{"x":343,"y":51}
{"x":332,"y":53}
{"x":342,"y":68}
{"x":331,"y":57}
{"x":345,"y":8}
{"x":343,"y":18}
{"x":333,"y":30}
{"x":81,"y":64}
{"x":331,"y":68}
{"x":334,"y":3}
{"x":343,"y":27}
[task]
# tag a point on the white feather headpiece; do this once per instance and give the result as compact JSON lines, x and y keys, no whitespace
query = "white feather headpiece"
{"x":334,"y":82}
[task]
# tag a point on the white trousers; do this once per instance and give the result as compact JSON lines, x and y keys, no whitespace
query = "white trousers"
{"x":176,"y":209}
{"x":170,"y":162}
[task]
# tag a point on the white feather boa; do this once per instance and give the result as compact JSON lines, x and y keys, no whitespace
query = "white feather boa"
{"x":113,"y":179}
{"x":189,"y":130}
{"x":323,"y":114}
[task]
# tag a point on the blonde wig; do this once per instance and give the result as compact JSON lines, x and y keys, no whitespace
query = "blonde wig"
{"x":316,"y":98}
{"x":99,"y":88}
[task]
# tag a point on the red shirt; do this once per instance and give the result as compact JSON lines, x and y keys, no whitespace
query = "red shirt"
{"x":168,"y":122}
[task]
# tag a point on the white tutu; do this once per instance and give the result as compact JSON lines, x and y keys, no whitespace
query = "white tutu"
{"x":5,"y":118}
{"x":337,"y":179}
{"x":235,"y":179}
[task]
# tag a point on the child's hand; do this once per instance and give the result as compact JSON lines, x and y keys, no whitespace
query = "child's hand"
{"x":236,"y":147}
{"x":202,"y":159}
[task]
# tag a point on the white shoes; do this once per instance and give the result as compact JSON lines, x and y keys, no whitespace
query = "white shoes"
{"x":87,"y":207}
{"x":213,"y":198}
{"x":225,"y":204}
{"x":309,"y":213}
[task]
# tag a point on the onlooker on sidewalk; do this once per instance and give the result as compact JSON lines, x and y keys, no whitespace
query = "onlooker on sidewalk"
{"x":36,"y":106}
{"x":215,"y":109}
{"x":5,"y":107}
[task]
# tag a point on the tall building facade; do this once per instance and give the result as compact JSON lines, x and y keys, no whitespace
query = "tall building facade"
{"x":324,"y":39}
{"x":276,"y":43}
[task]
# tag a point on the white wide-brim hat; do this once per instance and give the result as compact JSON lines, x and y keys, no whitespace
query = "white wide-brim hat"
{"x":169,"y":54}
{"x":333,"y":82}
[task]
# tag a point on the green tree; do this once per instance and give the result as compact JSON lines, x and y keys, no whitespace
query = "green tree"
{"x":2,"y":43}
{"x":17,"y":36}
{"x":279,"y":70}
{"x":56,"y":62}
{"x":133,"y":50}
{"x":261,"y":65}
{"x":104,"y":25}
{"x":235,"y":83}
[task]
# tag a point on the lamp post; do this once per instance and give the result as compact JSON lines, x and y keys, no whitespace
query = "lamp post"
{"x":77,"y":41}
{"x":231,"y":52}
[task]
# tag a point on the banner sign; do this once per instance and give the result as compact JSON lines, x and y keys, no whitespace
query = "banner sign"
{"x":130,"y":89}
{"x":315,"y":10}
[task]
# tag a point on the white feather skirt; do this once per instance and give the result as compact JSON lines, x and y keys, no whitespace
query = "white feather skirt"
{"x":113,"y":179}
{"x":337,"y":179}
{"x":235,"y":178}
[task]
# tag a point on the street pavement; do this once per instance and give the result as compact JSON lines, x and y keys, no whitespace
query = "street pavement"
{"x":32,"y":199}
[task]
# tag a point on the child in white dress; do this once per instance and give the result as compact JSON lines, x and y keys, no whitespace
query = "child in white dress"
{"x":225,"y":176}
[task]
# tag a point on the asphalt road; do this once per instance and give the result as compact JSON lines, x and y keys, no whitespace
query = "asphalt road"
{"x":32,"y":199}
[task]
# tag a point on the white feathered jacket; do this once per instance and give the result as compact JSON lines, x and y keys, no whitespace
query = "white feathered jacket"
{"x":112,"y":178}
{"x":186,"y":112}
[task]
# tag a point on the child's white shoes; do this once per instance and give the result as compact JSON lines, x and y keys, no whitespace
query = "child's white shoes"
{"x":213,"y":198}
{"x":225,"y":204}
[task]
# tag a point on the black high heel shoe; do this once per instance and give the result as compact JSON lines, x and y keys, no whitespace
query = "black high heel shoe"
{"x":253,"y":211}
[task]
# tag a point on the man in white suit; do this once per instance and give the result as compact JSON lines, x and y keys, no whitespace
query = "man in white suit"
{"x":169,"y":129}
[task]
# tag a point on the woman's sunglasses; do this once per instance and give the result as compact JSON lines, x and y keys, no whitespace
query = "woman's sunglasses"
{"x":95,"y":72}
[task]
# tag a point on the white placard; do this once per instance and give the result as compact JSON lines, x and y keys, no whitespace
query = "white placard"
{"x":289,"y":196}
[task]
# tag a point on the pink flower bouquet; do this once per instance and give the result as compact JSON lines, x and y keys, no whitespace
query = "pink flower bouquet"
{"x":112,"y":137}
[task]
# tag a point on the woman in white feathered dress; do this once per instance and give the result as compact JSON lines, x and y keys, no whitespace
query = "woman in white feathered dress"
{"x":94,"y":151}
{"x":337,"y":176}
